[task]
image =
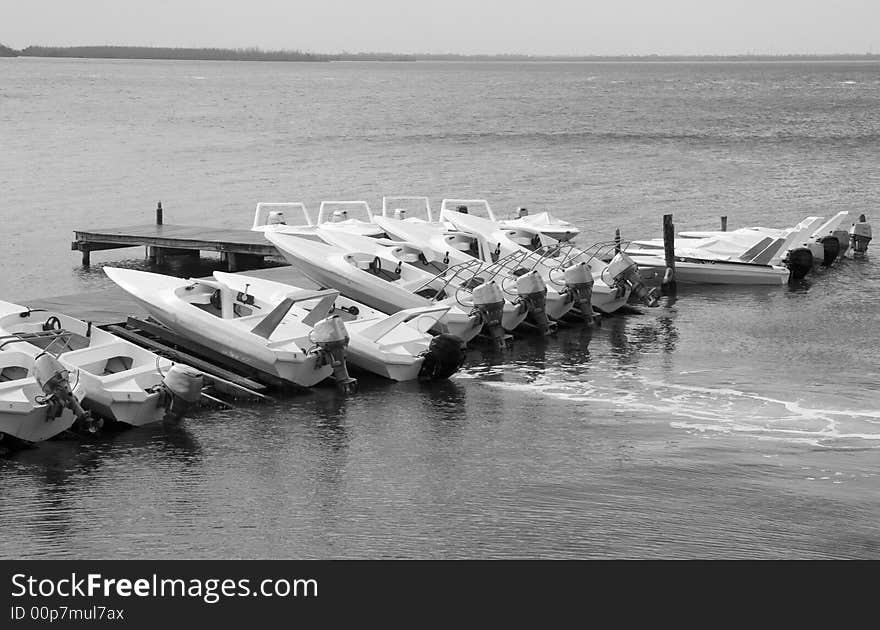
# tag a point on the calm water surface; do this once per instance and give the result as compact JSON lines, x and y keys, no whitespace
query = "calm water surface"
{"x":735,"y":422}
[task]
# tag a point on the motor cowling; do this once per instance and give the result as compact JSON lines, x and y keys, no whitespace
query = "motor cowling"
{"x":443,"y":358}
{"x":799,"y":261}
{"x":183,"y":387}
{"x":54,"y":380}
{"x":331,"y":337}
{"x":531,"y":289}
{"x":623,"y":270}
{"x":400,"y":213}
{"x":339,"y":215}
{"x":579,"y":284}
{"x":860,"y":236}
{"x":489,"y":302}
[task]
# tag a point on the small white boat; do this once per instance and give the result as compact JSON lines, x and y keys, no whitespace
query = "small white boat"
{"x":694,"y":266}
{"x":122,"y":382}
{"x":378,"y":280}
{"x":332,"y":215}
{"x":543,"y":222}
{"x":34,"y":409}
{"x":613,"y":282}
{"x":457,"y":271}
{"x":243,"y":328}
{"x":395,"y":346}
{"x":459,"y":250}
{"x":826,"y":241}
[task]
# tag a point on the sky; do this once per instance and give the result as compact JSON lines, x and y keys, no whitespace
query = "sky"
{"x":542,"y":27}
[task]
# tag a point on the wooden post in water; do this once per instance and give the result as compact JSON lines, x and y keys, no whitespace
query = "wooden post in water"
{"x":617,"y":241}
{"x":669,"y":252}
{"x":159,"y":213}
{"x":86,"y":255}
{"x":723,"y":224}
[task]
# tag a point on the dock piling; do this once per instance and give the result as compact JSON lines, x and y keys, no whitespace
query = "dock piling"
{"x":159,"y":213}
{"x":669,"y":252}
{"x":617,"y":241}
{"x":724,"y":224}
{"x":86,"y":256}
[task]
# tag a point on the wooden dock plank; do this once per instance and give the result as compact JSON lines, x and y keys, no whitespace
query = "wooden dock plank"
{"x":176,"y":237}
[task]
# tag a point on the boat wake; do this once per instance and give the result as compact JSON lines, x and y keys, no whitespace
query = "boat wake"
{"x":698,"y":410}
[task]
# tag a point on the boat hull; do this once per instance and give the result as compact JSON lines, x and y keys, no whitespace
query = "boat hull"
{"x":323,"y":265}
{"x":713,"y":272}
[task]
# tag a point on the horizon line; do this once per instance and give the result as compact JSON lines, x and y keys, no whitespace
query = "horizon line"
{"x":279,"y":53}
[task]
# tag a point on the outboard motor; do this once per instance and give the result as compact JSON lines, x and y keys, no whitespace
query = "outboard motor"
{"x":331,"y":337}
{"x":339,"y":215}
{"x":623,"y":269}
{"x":799,"y":261}
{"x":531,"y":289}
{"x":400,"y":213}
{"x":842,"y":237}
{"x":579,"y":284}
{"x":443,"y":358}
{"x":276,"y":217}
{"x":860,"y":236}
{"x":462,"y":209}
{"x":522,"y":212}
{"x":53,"y":380}
{"x":489,"y":301}
{"x":183,"y":388}
{"x":831,"y":247}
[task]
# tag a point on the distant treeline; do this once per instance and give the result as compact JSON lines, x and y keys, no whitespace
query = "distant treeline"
{"x":143,"y":52}
{"x":256,"y":54}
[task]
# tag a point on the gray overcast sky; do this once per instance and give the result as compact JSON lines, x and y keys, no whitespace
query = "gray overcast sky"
{"x":462,"y":26}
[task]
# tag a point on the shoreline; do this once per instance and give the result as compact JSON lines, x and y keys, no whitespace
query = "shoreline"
{"x":254,"y":54}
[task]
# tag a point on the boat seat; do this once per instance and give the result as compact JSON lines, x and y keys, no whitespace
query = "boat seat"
{"x":13,"y":373}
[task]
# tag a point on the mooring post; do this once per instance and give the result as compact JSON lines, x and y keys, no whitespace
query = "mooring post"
{"x":617,"y":241}
{"x":86,"y":255}
{"x":669,"y":252}
{"x":159,"y":213}
{"x":723,"y":224}
{"x":231,"y":262}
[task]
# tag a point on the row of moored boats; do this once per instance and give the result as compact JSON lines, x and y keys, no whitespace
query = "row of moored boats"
{"x":400,"y":294}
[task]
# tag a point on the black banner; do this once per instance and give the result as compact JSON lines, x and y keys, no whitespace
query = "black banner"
{"x":262,"y":594}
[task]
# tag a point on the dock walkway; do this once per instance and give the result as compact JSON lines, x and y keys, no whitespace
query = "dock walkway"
{"x":239,"y":248}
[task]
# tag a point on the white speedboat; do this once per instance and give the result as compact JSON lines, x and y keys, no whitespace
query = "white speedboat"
{"x":695,"y":266}
{"x":378,"y":280}
{"x":34,"y":406}
{"x":349,"y":216}
{"x":395,"y":346}
{"x":460,"y":250}
{"x":613,"y":282}
{"x":122,"y":382}
{"x":543,"y":222}
{"x":743,"y":256}
{"x":826,"y":240}
{"x":299,"y":351}
{"x":457,"y":271}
